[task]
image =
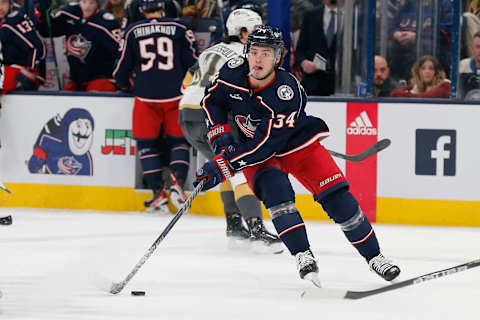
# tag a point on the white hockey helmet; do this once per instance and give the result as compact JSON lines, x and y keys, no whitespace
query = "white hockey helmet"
{"x":242,"y":18}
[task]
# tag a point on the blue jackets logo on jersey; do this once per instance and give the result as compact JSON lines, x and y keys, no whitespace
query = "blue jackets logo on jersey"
{"x":63,"y":145}
{"x":247,"y":125}
{"x":285,"y":92}
{"x":78,"y":46}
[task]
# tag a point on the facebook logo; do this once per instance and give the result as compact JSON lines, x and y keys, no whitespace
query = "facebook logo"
{"x":435,"y":152}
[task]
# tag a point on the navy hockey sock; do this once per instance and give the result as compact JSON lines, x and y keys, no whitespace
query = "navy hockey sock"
{"x":150,"y":158}
{"x":179,"y":158}
{"x":290,"y":227}
{"x":343,"y":208}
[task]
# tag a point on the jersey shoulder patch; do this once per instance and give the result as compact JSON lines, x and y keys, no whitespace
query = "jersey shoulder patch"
{"x":285,"y":92}
{"x":13,"y":14}
{"x":235,"y":62}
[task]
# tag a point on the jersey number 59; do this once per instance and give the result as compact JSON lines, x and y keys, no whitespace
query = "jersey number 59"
{"x":162,"y":46}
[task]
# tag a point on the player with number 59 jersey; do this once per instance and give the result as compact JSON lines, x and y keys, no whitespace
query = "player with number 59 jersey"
{"x":160,"y":51}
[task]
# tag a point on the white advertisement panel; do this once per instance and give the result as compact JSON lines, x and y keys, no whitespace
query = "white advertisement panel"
{"x":434,"y":152}
{"x":84,"y":140}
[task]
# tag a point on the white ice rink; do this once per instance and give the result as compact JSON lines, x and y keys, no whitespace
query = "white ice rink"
{"x":46,"y":258}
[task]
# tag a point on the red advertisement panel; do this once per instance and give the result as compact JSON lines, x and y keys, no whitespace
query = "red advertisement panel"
{"x":362,"y":132}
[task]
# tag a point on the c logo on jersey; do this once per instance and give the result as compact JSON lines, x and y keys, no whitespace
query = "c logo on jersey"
{"x":78,"y":46}
{"x":247,"y":125}
{"x":285,"y":92}
{"x":235,"y":62}
{"x":69,"y":165}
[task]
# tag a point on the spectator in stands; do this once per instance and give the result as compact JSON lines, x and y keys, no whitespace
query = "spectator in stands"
{"x":117,"y":9}
{"x":469,"y":70}
{"x":404,"y":31}
{"x":21,"y":48}
{"x":383,"y":83}
{"x":316,"y":49}
{"x":428,"y":81}
{"x":92,"y":37}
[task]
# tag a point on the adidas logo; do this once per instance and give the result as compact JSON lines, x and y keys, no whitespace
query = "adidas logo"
{"x":362,"y":126}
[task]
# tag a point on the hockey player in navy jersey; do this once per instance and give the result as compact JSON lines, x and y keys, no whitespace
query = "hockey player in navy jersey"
{"x":160,"y":50}
{"x":22,"y":50}
{"x":278,"y":139}
{"x":93,"y":37}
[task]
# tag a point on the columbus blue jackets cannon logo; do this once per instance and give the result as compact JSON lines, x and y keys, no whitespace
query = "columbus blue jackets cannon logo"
{"x":78,"y":46}
{"x":247,"y":125}
{"x":63,"y":145}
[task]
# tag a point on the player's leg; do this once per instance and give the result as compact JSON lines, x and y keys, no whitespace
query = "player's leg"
{"x":179,"y":152}
{"x":273,"y":187}
{"x":316,"y":169}
{"x":251,"y":211}
{"x":146,"y":131}
{"x":101,"y":85}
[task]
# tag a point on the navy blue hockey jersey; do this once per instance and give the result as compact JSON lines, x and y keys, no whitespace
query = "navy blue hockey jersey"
{"x":92,"y":44}
{"x":272,"y":119}
{"x":159,"y":51}
{"x":21,"y":43}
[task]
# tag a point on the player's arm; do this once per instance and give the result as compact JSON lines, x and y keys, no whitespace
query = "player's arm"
{"x":125,"y":63}
{"x":215,"y":109}
{"x":190,"y":49}
{"x":111,"y":35}
{"x":58,"y":22}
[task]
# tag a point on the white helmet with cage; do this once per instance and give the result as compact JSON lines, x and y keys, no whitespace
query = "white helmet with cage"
{"x":242,"y":18}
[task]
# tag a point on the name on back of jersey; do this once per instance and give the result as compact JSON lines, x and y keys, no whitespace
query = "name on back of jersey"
{"x":148,"y":30}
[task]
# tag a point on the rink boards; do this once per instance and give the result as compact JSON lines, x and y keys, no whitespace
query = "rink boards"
{"x":428,"y":175}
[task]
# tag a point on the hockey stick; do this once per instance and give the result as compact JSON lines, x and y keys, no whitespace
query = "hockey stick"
{"x":353,"y":295}
{"x":4,"y":188}
{"x":52,"y":43}
{"x":117,"y":287}
{"x":376,"y":148}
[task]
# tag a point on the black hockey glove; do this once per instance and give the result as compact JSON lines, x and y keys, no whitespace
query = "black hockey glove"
{"x":221,"y":139}
{"x":214,"y":171}
{"x":23,"y":82}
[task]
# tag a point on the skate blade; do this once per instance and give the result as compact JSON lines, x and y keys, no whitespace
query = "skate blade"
{"x":162,"y":210}
{"x":313,"y":278}
{"x":177,"y":200}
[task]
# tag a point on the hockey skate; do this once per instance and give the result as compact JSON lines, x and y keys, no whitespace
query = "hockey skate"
{"x":177,"y":196}
{"x":237,"y":234}
{"x":384,"y":267}
{"x":7,"y":220}
{"x":307,"y":267}
{"x":258,"y":233}
{"x":158,"y":203}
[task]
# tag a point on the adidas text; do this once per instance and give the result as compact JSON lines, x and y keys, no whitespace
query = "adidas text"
{"x":362,"y":131}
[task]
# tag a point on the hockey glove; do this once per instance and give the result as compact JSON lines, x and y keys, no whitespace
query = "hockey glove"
{"x":221,"y":139}
{"x":214,"y":171}
{"x":35,"y":164}
{"x":26,"y":80}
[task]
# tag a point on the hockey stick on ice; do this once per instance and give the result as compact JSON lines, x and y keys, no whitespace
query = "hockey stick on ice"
{"x":376,"y":148}
{"x":118,"y":286}
{"x":347,"y":294}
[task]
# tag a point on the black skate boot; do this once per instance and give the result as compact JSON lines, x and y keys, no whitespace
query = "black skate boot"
{"x":159,"y":202}
{"x":384,"y":267}
{"x":6,"y":220}
{"x":307,"y":267}
{"x":258,"y":232}
{"x":235,"y":228}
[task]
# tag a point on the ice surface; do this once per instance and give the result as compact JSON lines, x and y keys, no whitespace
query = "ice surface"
{"x":47,"y":258}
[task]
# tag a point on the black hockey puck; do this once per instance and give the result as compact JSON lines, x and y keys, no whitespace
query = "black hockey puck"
{"x":6,"y":220}
{"x":138,"y":293}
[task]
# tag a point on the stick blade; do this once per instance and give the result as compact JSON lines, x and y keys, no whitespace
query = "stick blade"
{"x":383,"y":144}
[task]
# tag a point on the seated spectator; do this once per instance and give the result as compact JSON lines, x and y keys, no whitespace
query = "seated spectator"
{"x":383,"y":83}
{"x":428,"y":81}
{"x":469,"y":70}
{"x":92,"y":37}
{"x":403,"y":31}
{"x":22,"y":51}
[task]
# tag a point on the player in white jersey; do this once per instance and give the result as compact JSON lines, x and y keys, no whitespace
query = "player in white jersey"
{"x":238,"y":200}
